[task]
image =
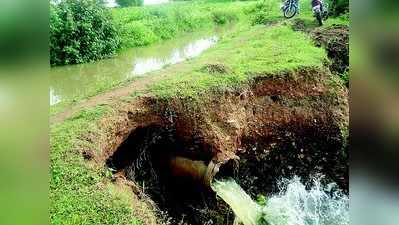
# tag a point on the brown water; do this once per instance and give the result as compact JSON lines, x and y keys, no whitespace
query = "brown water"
{"x":74,"y":82}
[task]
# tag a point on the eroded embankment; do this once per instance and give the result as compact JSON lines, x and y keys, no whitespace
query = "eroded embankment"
{"x":276,"y":126}
{"x":335,"y":39}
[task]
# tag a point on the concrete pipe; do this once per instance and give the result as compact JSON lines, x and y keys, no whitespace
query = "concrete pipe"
{"x":194,"y":169}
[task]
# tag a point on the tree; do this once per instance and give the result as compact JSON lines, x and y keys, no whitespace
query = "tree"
{"x":81,"y":31}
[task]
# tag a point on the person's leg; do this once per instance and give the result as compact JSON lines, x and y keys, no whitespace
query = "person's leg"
{"x":297,"y":6}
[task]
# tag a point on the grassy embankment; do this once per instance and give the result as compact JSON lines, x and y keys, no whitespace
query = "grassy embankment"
{"x":81,"y":191}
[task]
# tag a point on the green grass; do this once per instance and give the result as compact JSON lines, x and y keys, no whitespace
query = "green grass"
{"x":81,"y":193}
{"x":141,"y":26}
{"x":252,"y":52}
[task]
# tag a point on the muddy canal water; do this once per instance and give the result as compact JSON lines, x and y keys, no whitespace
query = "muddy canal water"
{"x":76,"y":81}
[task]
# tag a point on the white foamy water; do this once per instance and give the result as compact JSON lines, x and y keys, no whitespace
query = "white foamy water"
{"x":294,"y":205}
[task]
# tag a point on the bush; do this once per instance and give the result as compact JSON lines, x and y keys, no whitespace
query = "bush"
{"x":127,"y":3}
{"x":81,"y":31}
{"x":224,"y":16}
{"x":264,"y":12}
{"x":339,"y":7}
{"x":138,"y":34}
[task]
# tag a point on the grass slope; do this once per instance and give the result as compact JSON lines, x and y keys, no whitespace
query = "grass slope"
{"x":256,"y":51}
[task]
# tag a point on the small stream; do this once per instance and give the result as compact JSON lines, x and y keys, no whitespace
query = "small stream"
{"x":77,"y":81}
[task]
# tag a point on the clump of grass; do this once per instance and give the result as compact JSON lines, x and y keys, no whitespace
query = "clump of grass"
{"x":215,"y":68}
{"x":222,"y":16}
{"x":345,"y":77}
{"x":265,"y":12}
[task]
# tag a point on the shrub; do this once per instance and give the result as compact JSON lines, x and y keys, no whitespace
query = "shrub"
{"x":127,"y":3}
{"x":224,"y":16}
{"x":81,"y":31}
{"x":339,"y":7}
{"x":264,"y":12}
{"x":137,"y":34}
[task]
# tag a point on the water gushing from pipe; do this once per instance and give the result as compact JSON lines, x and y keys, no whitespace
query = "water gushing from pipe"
{"x":246,"y":210}
{"x":294,"y":205}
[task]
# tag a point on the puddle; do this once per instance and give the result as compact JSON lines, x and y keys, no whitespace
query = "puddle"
{"x":77,"y":81}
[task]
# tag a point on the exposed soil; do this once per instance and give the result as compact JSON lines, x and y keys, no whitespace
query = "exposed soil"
{"x":335,"y":39}
{"x":272,"y":128}
{"x":216,"y":68}
{"x":304,"y":25}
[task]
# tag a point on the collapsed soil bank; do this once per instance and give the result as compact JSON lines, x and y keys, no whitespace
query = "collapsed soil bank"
{"x":335,"y":39}
{"x":292,"y":123}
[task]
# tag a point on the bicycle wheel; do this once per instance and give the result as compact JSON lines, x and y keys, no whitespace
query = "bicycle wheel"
{"x":290,"y":11}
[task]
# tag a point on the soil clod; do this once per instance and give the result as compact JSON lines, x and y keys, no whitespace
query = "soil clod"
{"x":216,"y":69}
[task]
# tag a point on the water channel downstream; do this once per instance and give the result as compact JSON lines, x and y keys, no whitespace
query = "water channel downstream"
{"x":72,"y":82}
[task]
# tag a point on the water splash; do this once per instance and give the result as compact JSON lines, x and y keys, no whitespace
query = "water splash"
{"x":294,"y":205}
